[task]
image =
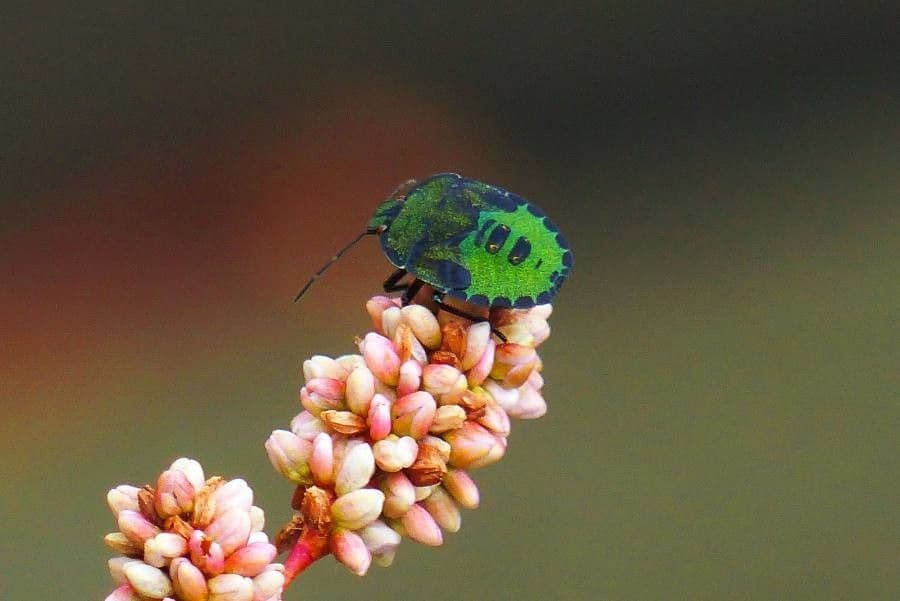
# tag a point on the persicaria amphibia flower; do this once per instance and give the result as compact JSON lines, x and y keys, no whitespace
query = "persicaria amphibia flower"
{"x":387,"y":436}
{"x":190,"y":538}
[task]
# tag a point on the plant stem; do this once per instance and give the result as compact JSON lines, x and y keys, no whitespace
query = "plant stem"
{"x":311,"y":546}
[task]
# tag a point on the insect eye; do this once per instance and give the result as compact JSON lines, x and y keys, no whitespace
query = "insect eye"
{"x":520,"y":251}
{"x":497,"y":239}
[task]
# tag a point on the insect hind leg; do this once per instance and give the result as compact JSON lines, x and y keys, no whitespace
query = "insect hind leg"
{"x":439,"y":300}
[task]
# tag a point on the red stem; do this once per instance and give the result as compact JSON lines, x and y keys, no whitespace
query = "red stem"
{"x":311,"y":546}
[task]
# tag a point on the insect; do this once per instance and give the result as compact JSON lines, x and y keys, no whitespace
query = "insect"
{"x":467,"y":240}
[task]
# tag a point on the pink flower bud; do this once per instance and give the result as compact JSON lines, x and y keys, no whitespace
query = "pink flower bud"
{"x":462,"y":488}
{"x":322,"y":394}
{"x":507,"y":398}
{"x":234,"y":494}
{"x":115,"y":565}
{"x":343,"y":422}
{"x":444,"y":511}
{"x":257,"y":519}
{"x":192,"y":469}
{"x":163,"y":548}
{"x":439,"y":379}
{"x":306,"y":425}
{"x":423,"y":492}
{"x":379,"y":418}
{"x":424,"y":325}
{"x":413,"y":414}
{"x":469,"y":444}
{"x":174,"y":494}
{"x":400,"y":494}
{"x":495,"y":419}
{"x":120,"y":543}
{"x":518,"y":333}
{"x":123,"y":593}
{"x":250,"y":560}
{"x":421,"y":527}
{"x":351,"y":362}
{"x":510,"y":353}
{"x":206,"y":554}
{"x":448,"y":417}
{"x":386,"y":457}
{"x":321,"y":366}
{"x":147,"y":580}
{"x":379,"y":537}
{"x":376,"y":306}
{"x":531,"y":404}
{"x":349,"y":548}
{"x":321,"y":462}
{"x":360,"y":390}
{"x":494,"y":455}
{"x":123,"y":497}
{"x":381,"y":358}
{"x":477,"y":374}
{"x":188,"y":581}
{"x":136,"y":527}
{"x":355,"y":470}
{"x":439,"y":444}
{"x":358,"y":508}
{"x":389,"y":321}
{"x":230,"y":587}
{"x":290,"y":455}
{"x":230,"y":529}
{"x":410,"y":377}
{"x":477,"y":336}
{"x":267,"y":586}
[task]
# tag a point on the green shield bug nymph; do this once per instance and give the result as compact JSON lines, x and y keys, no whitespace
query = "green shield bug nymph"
{"x":468,"y":240}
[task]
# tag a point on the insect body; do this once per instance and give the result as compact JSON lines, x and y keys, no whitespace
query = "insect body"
{"x":468,"y":240}
{"x":473,"y":241}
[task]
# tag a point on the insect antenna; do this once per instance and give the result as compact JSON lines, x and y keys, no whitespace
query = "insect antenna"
{"x":337,"y":256}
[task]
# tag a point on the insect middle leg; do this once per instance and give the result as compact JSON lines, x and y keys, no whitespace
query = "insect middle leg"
{"x":409,"y":289}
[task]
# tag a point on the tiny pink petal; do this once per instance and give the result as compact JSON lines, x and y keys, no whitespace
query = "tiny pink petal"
{"x":136,"y":527}
{"x":421,"y":527}
{"x":321,"y":462}
{"x":379,"y":417}
{"x":349,"y":548}
{"x":410,"y":377}
{"x":381,"y":358}
{"x":250,"y":560}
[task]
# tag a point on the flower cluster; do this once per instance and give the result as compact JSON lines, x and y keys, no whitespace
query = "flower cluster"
{"x":387,"y":437}
{"x":191,"y":539}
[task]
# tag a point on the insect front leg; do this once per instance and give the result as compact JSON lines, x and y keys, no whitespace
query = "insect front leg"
{"x":391,"y":285}
{"x":439,"y":299}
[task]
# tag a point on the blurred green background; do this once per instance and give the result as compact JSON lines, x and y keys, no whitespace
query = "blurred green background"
{"x":723,"y":374}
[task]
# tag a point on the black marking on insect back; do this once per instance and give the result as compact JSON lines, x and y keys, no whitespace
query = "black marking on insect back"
{"x":538,"y":264}
{"x":561,"y":240}
{"x":453,"y":275}
{"x":568,"y":260}
{"x":535,"y":210}
{"x":552,"y":227}
{"x":554,"y":276}
{"x":520,"y":251}
{"x":479,"y":299}
{"x":502,"y":302}
{"x":479,"y":237}
{"x":497,"y":239}
{"x":524,"y":302}
{"x":544,"y":298}
{"x":500,"y":199}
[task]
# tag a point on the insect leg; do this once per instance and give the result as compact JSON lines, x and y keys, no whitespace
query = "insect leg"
{"x":391,"y":285}
{"x":439,"y":299}
{"x":412,"y":289}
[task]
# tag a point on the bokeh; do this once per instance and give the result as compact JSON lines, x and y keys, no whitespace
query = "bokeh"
{"x":723,"y":373}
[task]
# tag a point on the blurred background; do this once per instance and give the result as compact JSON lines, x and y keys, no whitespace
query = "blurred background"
{"x":723,"y":374}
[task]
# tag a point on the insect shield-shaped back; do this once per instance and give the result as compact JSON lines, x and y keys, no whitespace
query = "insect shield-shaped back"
{"x":474,"y":241}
